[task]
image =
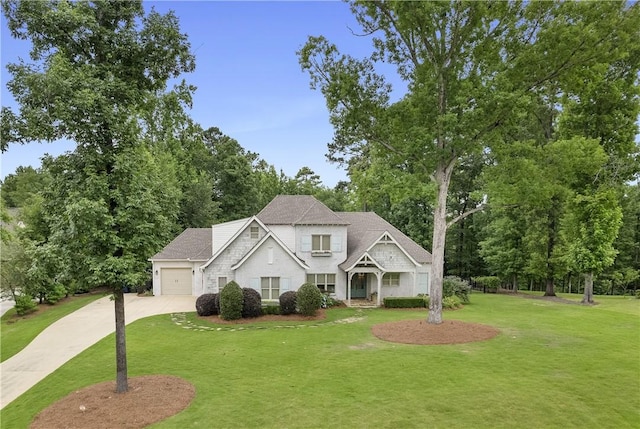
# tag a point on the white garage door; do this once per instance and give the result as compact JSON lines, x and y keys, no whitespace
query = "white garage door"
{"x":176,"y":281}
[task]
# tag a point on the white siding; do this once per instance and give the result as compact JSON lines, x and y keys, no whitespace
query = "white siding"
{"x":258,"y":266}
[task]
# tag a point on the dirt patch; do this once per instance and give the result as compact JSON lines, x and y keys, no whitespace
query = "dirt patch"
{"x":421,"y":332}
{"x":320,"y":315}
{"x":150,"y":399}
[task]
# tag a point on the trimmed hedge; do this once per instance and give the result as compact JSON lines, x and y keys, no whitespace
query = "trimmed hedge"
{"x":406,"y":302}
{"x":206,"y":304}
{"x":288,"y":301}
{"x":231,"y":299}
{"x":270,"y":309}
{"x":309,"y":299}
{"x":251,"y":303}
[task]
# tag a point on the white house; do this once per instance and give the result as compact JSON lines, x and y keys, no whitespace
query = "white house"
{"x":295,"y":239}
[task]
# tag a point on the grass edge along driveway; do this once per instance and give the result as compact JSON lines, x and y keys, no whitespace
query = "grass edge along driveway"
{"x":553,"y":365}
{"x":16,"y":332}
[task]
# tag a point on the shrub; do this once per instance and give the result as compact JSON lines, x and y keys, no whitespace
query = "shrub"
{"x":231,"y":299}
{"x":638,"y":294}
{"x":271,"y":309}
{"x":404,"y":302}
{"x":288,"y":302}
{"x":206,"y":304}
{"x":24,"y":305}
{"x":489,"y":283}
{"x":56,"y":294}
{"x":328,"y":301}
{"x":251,"y":303}
{"x":309,"y":299}
{"x":451,"y":302}
{"x":452,"y":285}
{"x":426,"y":298}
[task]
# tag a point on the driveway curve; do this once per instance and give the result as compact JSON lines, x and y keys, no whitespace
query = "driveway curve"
{"x":74,"y":333}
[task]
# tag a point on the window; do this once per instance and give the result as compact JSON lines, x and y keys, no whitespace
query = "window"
{"x":222,"y":282}
{"x":391,"y":279}
{"x":321,"y":243}
{"x":255,"y":233}
{"x":270,"y":287}
{"x":325,"y":282}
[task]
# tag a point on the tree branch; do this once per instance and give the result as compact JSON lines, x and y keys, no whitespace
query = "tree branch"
{"x":466,"y":214}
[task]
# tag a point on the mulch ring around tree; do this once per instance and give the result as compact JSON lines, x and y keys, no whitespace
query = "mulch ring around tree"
{"x":423,"y":333}
{"x":150,"y":399}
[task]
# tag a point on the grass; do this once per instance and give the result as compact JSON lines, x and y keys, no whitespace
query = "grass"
{"x":553,"y":366}
{"x":18,"y":331}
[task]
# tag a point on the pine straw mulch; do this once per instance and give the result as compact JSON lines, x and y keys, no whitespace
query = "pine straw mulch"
{"x":153,"y":398}
{"x":150,"y":399}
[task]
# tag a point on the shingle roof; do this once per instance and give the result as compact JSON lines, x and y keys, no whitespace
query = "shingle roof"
{"x":366,"y":227}
{"x":193,"y":244}
{"x":298,"y":210}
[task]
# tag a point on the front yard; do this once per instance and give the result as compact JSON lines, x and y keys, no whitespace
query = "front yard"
{"x":552,"y":365}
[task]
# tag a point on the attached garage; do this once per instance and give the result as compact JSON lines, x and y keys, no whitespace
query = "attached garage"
{"x":176,"y":281}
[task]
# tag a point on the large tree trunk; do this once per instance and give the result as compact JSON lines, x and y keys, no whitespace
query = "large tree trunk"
{"x":550,"y":289}
{"x":587,"y":298}
{"x":442,"y":178}
{"x":122,"y":384}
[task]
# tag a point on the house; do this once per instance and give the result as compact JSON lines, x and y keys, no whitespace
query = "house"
{"x":293,"y":240}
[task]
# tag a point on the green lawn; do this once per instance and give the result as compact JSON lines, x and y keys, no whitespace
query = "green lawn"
{"x":553,"y":366}
{"x":16,"y":332}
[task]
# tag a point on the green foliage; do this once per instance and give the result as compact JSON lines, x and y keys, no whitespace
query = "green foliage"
{"x":328,"y":301}
{"x":592,"y":225}
{"x":206,"y":304}
{"x":638,"y":294}
{"x":451,"y":302}
{"x":405,"y":302}
{"x":271,"y":309}
{"x":490,"y":283}
{"x":231,"y":298}
{"x":56,"y":294}
{"x":251,"y":303}
{"x":309,"y":299}
{"x":288,"y":302}
{"x":20,"y":187}
{"x":24,"y":305}
{"x":455,"y":286}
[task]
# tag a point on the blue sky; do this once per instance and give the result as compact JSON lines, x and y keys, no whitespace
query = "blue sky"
{"x":250,"y":84}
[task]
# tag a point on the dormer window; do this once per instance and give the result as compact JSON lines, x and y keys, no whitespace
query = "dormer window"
{"x":321,"y":244}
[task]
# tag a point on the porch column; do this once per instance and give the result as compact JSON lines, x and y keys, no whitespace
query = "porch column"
{"x":350,"y":276}
{"x":379,"y":275}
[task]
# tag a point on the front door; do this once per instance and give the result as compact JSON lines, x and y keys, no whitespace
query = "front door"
{"x":359,"y":286}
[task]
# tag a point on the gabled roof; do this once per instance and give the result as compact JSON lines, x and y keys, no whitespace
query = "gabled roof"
{"x":298,"y":210}
{"x":194,"y":244}
{"x":365,"y":229}
{"x":270,"y":235}
{"x":231,"y":231}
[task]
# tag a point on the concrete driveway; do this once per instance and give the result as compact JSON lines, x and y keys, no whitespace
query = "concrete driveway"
{"x":74,"y":333}
{"x":6,"y":305}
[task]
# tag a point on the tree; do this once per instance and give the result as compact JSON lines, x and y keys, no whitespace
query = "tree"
{"x":18,"y":188}
{"x":95,"y":65}
{"x":592,"y":226}
{"x":472,"y":70}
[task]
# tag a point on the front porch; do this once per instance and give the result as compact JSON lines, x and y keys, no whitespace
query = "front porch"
{"x":362,"y":303}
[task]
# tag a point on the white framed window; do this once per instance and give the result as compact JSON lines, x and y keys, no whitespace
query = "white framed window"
{"x":324,"y":282}
{"x":255,"y":232}
{"x":270,"y":287}
{"x":321,"y":243}
{"x":391,"y":279}
{"x":222,"y":282}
